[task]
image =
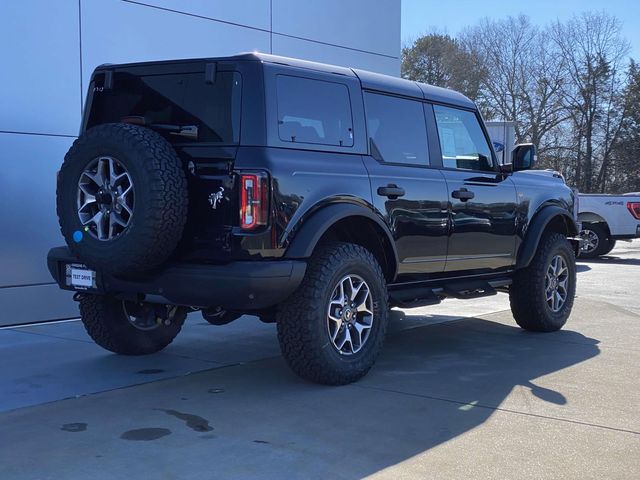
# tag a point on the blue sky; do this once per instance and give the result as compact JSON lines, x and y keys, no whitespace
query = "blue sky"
{"x":419,"y":16}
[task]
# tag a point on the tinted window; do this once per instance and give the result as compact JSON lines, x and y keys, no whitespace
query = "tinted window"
{"x":462,"y":140}
{"x":397,"y":129}
{"x":314,"y":111}
{"x":173,"y":102}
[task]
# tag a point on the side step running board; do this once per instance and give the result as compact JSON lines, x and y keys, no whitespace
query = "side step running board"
{"x":412,"y":296}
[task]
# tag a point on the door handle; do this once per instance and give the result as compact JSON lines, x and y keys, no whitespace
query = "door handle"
{"x":392,"y":191}
{"x":463,"y":194}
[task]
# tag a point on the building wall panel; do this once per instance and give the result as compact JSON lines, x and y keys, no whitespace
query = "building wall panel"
{"x":141,"y":33}
{"x":358,"y":24}
{"x":28,"y":205}
{"x":49,"y":50}
{"x":40,"y":79}
{"x":251,"y":13}
{"x":292,"y":47}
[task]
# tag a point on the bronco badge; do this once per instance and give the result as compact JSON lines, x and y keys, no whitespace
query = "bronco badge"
{"x":215,"y":198}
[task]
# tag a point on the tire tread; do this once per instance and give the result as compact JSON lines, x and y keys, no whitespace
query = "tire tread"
{"x":159,"y":232}
{"x":299,"y":342}
{"x":525,"y":294}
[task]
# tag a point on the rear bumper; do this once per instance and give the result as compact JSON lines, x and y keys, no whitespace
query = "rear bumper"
{"x":241,"y":286}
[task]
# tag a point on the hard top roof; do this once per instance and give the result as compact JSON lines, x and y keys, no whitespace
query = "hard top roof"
{"x":373,"y":81}
{"x":368,"y":80}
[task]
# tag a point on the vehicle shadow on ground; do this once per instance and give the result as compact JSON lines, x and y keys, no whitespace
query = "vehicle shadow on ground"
{"x":431,"y":384}
{"x":436,"y":383}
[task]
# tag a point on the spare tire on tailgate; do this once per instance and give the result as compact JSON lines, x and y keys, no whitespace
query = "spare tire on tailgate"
{"x":122,"y":198}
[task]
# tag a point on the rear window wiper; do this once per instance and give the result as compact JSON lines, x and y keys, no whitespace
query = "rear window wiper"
{"x":189,"y":131}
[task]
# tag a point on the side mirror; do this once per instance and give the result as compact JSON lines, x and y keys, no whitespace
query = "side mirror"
{"x":523,"y":157}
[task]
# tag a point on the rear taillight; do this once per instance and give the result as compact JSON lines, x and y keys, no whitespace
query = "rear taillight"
{"x":254,"y":200}
{"x":634,"y":209}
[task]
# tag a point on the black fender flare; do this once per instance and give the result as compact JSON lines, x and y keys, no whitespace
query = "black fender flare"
{"x":308,"y":232}
{"x":537,"y":227}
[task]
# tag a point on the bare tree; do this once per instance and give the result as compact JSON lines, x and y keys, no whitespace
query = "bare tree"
{"x":566,"y":86}
{"x":593,"y":52}
{"x":624,"y":172}
{"x":524,"y":79}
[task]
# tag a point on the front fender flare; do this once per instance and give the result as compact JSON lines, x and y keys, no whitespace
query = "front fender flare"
{"x":536,"y":228}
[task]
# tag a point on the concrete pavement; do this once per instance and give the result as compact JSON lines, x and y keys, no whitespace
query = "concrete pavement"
{"x":455,"y":394}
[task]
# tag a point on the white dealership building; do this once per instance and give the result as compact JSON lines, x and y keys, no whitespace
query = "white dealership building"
{"x":49,"y":49}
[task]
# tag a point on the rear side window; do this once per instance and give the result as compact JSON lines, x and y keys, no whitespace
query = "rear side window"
{"x":183,"y":107}
{"x":397,"y":129}
{"x":462,"y":140}
{"x":313,"y":111}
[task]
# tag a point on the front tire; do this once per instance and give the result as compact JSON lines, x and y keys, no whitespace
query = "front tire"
{"x":542,"y":294}
{"x":332,"y":328}
{"x":130,"y":328}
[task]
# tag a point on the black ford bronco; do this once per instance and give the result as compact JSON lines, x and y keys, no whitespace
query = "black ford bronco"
{"x":309,"y":195}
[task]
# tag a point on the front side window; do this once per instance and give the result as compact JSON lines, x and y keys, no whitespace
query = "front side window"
{"x":462,"y":140}
{"x":313,"y":111}
{"x":397,"y":129}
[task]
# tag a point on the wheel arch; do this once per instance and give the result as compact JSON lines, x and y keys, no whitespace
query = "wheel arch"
{"x":591,"y":217}
{"x":350,"y":223}
{"x":550,"y":218}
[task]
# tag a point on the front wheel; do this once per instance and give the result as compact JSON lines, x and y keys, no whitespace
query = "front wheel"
{"x":542,"y":294}
{"x":130,"y":328}
{"x":332,"y":328}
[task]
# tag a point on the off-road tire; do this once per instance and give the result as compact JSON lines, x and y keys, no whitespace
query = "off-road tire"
{"x":527,"y":293}
{"x":104,"y":320}
{"x":603,"y":241}
{"x":161,"y":198}
{"x":301,"y":320}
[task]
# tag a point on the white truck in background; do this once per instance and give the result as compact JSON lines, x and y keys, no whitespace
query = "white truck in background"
{"x":605,"y":218}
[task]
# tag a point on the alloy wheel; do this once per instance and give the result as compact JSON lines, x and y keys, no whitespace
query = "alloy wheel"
{"x":590,"y":241}
{"x":350,"y":315}
{"x":105,"y":198}
{"x":557,"y":283}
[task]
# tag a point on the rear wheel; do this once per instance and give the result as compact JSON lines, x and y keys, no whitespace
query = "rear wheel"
{"x":595,"y":240}
{"x":332,"y":328}
{"x":542,"y":294}
{"x":130,"y":328}
{"x":610,"y":246}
